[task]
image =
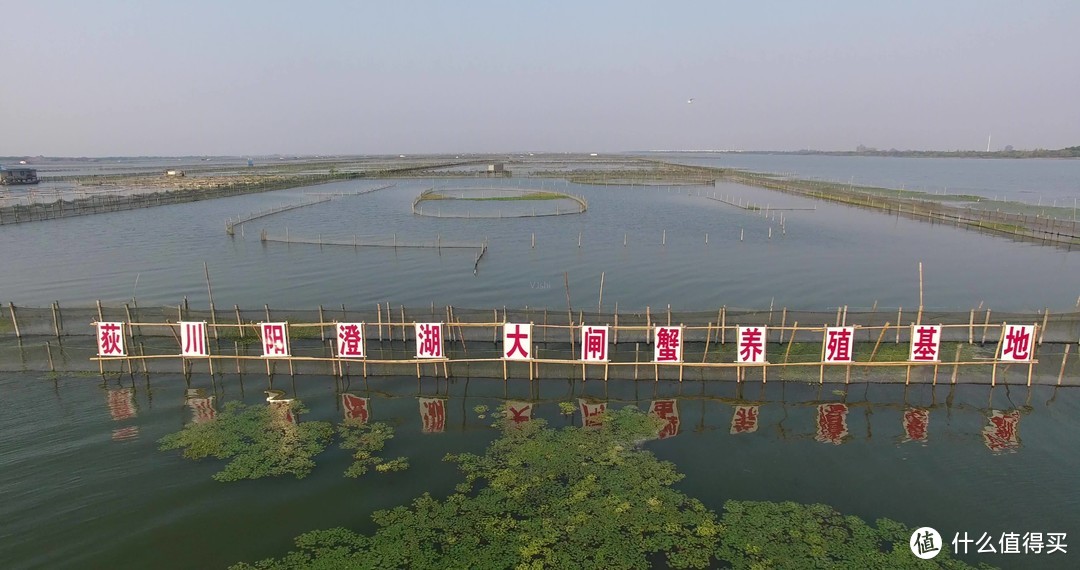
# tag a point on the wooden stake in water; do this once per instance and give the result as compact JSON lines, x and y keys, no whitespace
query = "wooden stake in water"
{"x":918,"y":318}
{"x":600,"y":302}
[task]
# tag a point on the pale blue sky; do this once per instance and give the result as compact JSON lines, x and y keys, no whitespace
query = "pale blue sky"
{"x":161,"y":78}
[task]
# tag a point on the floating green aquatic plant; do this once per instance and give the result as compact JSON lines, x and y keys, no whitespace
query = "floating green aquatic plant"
{"x":261,"y":441}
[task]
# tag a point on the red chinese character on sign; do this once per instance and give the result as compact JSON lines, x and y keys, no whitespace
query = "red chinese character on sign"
{"x":592,"y":415}
{"x":667,"y":410}
{"x":751,"y":344}
{"x":121,"y":404}
{"x":594,"y":344}
{"x":281,"y":408}
{"x":350,"y":340}
{"x":838,"y":344}
{"x":193,"y":339}
{"x":275,"y":339}
{"x":433,"y":415}
{"x":356,"y":408}
{"x":1017,"y":343}
{"x":517,"y":338}
{"x":745,"y":419}
{"x":925,"y":342}
{"x":832,"y":423}
{"x":110,"y":339}
{"x":519,"y":412}
{"x":429,"y":340}
{"x":916,"y":424}
{"x":1000,"y":434}
{"x":668,"y":344}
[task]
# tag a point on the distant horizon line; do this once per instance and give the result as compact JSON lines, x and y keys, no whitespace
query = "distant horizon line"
{"x":284,"y":156}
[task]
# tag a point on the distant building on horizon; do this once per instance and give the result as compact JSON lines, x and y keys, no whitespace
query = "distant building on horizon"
{"x":11,"y":176}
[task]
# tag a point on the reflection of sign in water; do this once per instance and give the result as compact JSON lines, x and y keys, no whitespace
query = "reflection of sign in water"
{"x":350,"y":340}
{"x":668,"y":345}
{"x":356,"y":408}
{"x":1000,"y":434}
{"x":916,"y":424}
{"x":594,"y":341}
{"x":121,"y":403}
{"x":110,"y":339}
{"x":429,"y":342}
{"x":202,"y":406}
{"x":592,"y":413}
{"x":751,"y":347}
{"x":280,"y":407}
{"x":745,"y":419}
{"x":433,"y":415}
{"x":519,"y":412}
{"x":275,"y":339}
{"x":832,"y":423}
{"x":667,"y":410}
{"x":517,"y":341}
{"x":125,"y":433}
{"x":193,"y":339}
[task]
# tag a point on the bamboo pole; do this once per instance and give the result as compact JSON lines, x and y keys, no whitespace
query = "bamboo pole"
{"x":971,"y":327}
{"x":899,"y":311}
{"x":1064,"y":357}
{"x":986,"y":326}
{"x":783,"y":323}
{"x":210,"y":293}
{"x":239,"y":324}
{"x":918,"y":318}
{"x":1042,"y":330}
{"x":15,"y":321}
{"x":55,"y":320}
{"x":878,"y":343}
{"x":997,"y":352}
{"x":378,"y":310}
{"x":723,"y":325}
{"x":791,"y":340}
{"x":322,"y":331}
{"x":708,"y":337}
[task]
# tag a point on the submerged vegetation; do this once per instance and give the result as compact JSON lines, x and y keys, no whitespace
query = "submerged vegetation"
{"x":593,"y":498}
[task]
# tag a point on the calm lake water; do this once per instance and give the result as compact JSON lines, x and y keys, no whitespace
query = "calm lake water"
{"x":1047,"y":181}
{"x":79,"y":468}
{"x":86,"y":487}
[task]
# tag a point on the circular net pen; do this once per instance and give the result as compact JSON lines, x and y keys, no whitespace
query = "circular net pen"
{"x":496,"y":203}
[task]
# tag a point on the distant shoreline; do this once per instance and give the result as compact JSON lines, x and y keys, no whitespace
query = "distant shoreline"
{"x":1070,"y":152}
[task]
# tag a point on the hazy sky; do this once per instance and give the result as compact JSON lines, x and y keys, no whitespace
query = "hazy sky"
{"x":161,"y":78}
